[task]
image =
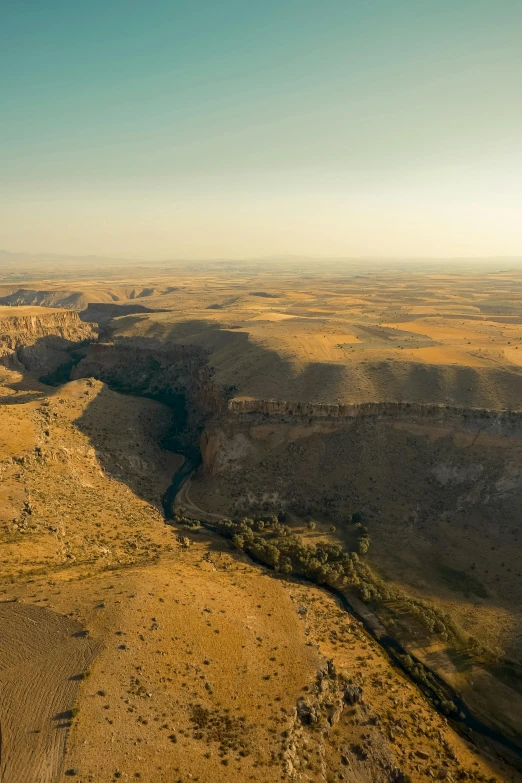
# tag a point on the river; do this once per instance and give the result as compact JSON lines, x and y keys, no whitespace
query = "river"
{"x":468,"y":724}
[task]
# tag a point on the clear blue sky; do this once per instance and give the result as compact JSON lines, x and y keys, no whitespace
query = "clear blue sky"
{"x":197,"y":129}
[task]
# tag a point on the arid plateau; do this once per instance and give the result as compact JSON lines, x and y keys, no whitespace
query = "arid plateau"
{"x":260,"y":523}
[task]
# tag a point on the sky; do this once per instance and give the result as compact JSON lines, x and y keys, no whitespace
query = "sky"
{"x":234,"y":128}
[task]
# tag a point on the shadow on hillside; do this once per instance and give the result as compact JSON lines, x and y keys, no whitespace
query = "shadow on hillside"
{"x":48,"y":360}
{"x":449,"y":660}
{"x":241,"y":362}
{"x":125,"y":435}
{"x":20,"y":398}
{"x":143,"y":368}
{"x":19,"y":386}
{"x":101,"y":313}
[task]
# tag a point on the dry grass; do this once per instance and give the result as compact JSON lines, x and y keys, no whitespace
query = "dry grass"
{"x":83,"y":544}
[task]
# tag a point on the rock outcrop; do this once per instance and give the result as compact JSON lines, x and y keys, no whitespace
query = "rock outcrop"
{"x":37,"y":338}
{"x":240,"y":405}
{"x":398,"y":460}
{"x":156,"y":369}
{"x":323,"y":456}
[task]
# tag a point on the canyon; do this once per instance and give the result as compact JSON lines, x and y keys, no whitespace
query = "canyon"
{"x":424,"y":450}
{"x":37,"y":338}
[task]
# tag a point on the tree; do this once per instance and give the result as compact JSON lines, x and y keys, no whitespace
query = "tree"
{"x":271,"y":555}
{"x":238,"y":541}
{"x":285,"y":565}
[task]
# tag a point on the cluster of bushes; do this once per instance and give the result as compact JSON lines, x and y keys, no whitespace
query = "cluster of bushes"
{"x":186,"y":521}
{"x":424,"y":677}
{"x":363,"y":538}
{"x":273,"y":544}
{"x":433,"y":620}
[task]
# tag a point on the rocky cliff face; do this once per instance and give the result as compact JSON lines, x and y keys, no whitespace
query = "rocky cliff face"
{"x":273,"y":454}
{"x":419,"y":450}
{"x":38,"y":338}
{"x":339,"y":411}
{"x":267,"y":426}
{"x":177,"y":375}
{"x":400,"y":465}
{"x":155,"y":369}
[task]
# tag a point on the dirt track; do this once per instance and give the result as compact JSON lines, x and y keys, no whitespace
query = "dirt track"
{"x":42,"y":658}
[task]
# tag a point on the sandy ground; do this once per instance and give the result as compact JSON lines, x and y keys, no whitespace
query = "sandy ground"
{"x":43,"y":656}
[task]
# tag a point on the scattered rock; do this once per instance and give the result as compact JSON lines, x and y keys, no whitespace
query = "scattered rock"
{"x":332,"y":671}
{"x":398,"y":776}
{"x":334,"y":712}
{"x":306,"y":713}
{"x":352,"y":694}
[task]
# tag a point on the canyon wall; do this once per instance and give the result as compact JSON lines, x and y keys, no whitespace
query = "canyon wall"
{"x":350,"y":410}
{"x":154,"y":369}
{"x":396,"y":461}
{"x":177,"y":375}
{"x":405,"y":460}
{"x":37,"y":338}
{"x":315,"y":457}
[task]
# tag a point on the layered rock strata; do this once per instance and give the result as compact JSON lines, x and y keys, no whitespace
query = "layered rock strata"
{"x":37,"y":338}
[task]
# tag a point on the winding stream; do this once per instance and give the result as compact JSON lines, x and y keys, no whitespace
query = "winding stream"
{"x":182,"y":473}
{"x":468,"y":724}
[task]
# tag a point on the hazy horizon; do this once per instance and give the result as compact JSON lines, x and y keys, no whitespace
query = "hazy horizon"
{"x":25,"y":268}
{"x":233,"y":130}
